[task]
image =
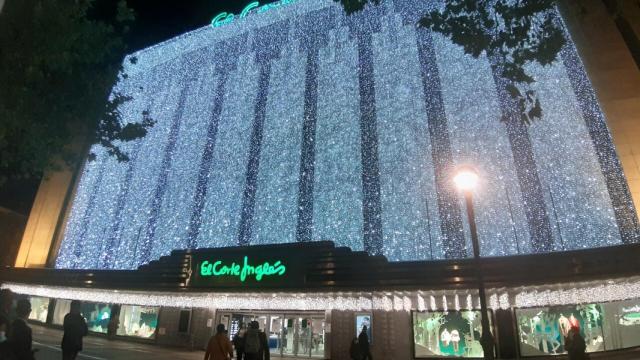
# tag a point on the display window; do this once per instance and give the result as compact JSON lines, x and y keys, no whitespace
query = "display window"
{"x":138,"y":321}
{"x":96,"y":315}
{"x":39,"y":309}
{"x":363,"y":320}
{"x":60,"y":310}
{"x":606,"y":326}
{"x":447,"y":334}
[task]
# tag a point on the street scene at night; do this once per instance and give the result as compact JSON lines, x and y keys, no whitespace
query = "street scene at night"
{"x":319,"y":179}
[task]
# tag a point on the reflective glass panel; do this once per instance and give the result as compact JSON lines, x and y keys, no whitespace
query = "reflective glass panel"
{"x":447,"y":334}
{"x":606,"y":326}
{"x":39,"y":309}
{"x":138,"y":321}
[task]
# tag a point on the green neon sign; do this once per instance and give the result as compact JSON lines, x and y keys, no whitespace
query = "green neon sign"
{"x":225,"y":18}
{"x":218,"y":269}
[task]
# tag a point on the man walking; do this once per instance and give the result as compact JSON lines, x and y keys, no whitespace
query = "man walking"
{"x":20,"y":339}
{"x":256,"y":346}
{"x":6,"y":300}
{"x":75,"y":328}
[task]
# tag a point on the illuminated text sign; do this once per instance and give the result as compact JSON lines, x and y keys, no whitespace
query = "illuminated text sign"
{"x":225,"y":18}
{"x":242,"y":270}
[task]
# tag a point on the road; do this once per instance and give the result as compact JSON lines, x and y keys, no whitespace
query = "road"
{"x":99,"y":348}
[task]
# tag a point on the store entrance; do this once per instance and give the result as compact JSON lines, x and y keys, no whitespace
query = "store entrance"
{"x":295,"y":334}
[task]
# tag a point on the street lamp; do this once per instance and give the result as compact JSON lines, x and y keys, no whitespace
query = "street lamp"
{"x":466,"y":180}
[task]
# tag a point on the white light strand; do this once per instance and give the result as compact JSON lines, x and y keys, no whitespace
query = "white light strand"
{"x":421,"y":304}
{"x":609,"y":291}
{"x":547,"y":295}
{"x":493,"y":302}
{"x":147,"y":205}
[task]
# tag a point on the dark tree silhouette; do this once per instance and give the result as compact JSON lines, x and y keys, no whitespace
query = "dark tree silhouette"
{"x":57,"y":69}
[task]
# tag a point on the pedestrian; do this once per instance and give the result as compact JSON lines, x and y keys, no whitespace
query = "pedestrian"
{"x":219,"y":347}
{"x":238,"y":341}
{"x":354,"y":349}
{"x":6,"y":300}
{"x":20,"y":338}
{"x":5,"y":350}
{"x":363,"y":341}
{"x":75,"y":328}
{"x":114,"y":322}
{"x":256,"y":346}
{"x":575,"y":345}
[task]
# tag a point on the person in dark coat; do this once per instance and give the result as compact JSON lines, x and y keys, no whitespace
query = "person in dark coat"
{"x":256,"y":346}
{"x":114,"y":322}
{"x":5,"y":349}
{"x":575,"y":345}
{"x":354,"y":350}
{"x":238,"y":341}
{"x":6,"y":300}
{"x":75,"y":328}
{"x":363,"y":341}
{"x":20,"y":339}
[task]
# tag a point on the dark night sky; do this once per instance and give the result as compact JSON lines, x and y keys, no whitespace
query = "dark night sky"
{"x":159,"y":20}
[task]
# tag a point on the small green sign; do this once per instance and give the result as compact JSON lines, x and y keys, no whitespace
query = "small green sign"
{"x":242,"y":270}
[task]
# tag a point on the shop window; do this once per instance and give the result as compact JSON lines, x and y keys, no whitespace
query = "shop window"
{"x":363,"y":320}
{"x":39,"y":309}
{"x":138,"y":321}
{"x":60,"y":310}
{"x":447,"y":334}
{"x":96,"y":315}
{"x":607,"y":326}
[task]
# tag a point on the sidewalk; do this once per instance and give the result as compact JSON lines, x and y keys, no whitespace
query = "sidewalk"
{"x":99,"y":348}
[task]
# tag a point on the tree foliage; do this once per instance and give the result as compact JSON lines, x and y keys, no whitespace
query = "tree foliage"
{"x":57,"y":69}
{"x":515,"y":33}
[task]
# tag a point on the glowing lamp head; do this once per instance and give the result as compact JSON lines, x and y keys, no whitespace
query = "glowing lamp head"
{"x":466,"y":179}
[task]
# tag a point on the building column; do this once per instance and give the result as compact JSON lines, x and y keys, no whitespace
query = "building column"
{"x":615,"y":78}
{"x":40,"y":231}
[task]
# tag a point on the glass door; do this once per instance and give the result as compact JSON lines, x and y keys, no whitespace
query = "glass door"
{"x":273,"y":335}
{"x":317,"y":336}
{"x":289,"y":336}
{"x":299,"y":335}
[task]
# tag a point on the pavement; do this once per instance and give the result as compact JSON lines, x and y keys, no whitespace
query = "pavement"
{"x":47,"y":340}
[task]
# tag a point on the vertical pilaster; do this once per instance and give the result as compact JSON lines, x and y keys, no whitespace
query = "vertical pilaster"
{"x":362,"y":26}
{"x":267,"y":43}
{"x":225,"y":58}
{"x":312,"y":39}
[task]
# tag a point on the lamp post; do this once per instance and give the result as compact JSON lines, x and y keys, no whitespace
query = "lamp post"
{"x":466,"y":179}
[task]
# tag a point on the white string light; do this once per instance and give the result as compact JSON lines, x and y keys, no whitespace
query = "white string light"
{"x":121,"y":209}
{"x":523,"y":297}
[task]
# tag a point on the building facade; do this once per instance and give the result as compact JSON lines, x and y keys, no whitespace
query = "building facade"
{"x":293,"y":123}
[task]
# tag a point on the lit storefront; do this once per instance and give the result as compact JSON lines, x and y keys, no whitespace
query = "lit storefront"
{"x":134,"y":320}
{"x":312,"y":299}
{"x":291,"y":123}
